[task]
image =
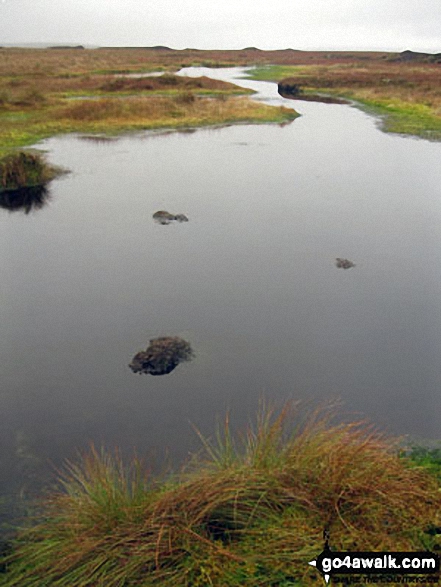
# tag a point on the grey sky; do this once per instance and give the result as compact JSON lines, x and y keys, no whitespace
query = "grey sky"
{"x":392,"y":25}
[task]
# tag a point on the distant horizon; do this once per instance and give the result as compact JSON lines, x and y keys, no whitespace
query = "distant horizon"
{"x":306,"y":25}
{"x":49,"y":44}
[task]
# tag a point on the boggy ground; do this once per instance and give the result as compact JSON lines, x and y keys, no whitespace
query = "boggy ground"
{"x":406,"y":93}
{"x":47,"y":92}
{"x":37,"y":85}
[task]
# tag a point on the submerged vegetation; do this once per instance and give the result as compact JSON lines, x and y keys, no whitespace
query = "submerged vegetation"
{"x":248,"y":511}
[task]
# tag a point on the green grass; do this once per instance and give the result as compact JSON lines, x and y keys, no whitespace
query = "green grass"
{"x":249,"y":510}
{"x":404,"y":111}
{"x":275,"y":73}
{"x":404,"y":118}
{"x":115,"y":115}
{"x":34,"y":107}
{"x":429,"y":458}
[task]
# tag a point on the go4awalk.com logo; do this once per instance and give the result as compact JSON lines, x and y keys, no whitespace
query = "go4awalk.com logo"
{"x":424,"y":564}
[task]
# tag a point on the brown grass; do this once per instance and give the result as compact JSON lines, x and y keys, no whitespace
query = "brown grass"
{"x":252,"y":512}
{"x":168,"y":111}
{"x":410,"y":83}
{"x":36,"y":83}
{"x":42,"y":62}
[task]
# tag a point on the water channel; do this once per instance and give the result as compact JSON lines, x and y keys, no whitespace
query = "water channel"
{"x":88,"y":279}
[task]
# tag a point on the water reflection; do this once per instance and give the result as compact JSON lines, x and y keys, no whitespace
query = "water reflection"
{"x":98,"y":139}
{"x":25,"y":199}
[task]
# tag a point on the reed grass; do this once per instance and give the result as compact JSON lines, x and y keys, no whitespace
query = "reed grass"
{"x":248,"y":510}
{"x":24,"y":169}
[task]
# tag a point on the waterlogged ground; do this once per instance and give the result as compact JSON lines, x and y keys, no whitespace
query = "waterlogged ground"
{"x":250,"y":281}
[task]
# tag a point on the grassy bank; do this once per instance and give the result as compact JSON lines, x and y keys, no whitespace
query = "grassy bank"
{"x":406,"y":96}
{"x":247,"y":512}
{"x":116,"y":115}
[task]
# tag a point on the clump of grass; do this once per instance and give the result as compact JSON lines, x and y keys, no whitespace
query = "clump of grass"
{"x":24,"y":169}
{"x":248,"y":511}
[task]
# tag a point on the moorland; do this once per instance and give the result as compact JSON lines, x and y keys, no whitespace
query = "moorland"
{"x":250,"y":510}
{"x":44,"y":92}
{"x":38,"y":85}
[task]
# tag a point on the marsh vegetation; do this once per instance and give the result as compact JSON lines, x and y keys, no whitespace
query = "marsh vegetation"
{"x":45,"y":92}
{"x":247,"y":510}
{"x":408,"y":94}
{"x":20,"y":169}
{"x":36,"y":84}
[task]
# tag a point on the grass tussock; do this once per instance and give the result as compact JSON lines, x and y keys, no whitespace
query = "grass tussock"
{"x":248,"y":511}
{"x":24,"y":169}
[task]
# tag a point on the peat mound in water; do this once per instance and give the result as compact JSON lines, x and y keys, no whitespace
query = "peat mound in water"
{"x":292,"y":90}
{"x":162,"y":356}
{"x":163,"y":217}
{"x":344,"y":263}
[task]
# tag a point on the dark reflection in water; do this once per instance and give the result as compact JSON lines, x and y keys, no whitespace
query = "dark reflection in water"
{"x":98,"y":139}
{"x":25,"y":199}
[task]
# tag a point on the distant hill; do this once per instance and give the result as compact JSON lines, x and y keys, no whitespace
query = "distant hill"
{"x":155,"y":48}
{"x":46,"y":46}
{"x":67,"y":47}
{"x":409,"y":55}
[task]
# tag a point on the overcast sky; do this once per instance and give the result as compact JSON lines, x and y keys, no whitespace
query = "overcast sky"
{"x":392,"y":25}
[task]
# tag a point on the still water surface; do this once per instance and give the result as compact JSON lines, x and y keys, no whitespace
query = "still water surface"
{"x":250,"y":281}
